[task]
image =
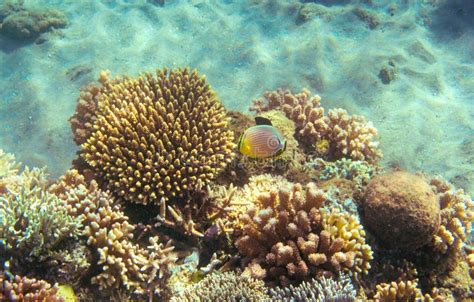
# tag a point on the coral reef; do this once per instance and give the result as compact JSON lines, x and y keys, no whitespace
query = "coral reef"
{"x":401,"y":209}
{"x":19,"y":23}
{"x":286,"y":237}
{"x":8,"y":166}
{"x":123,"y":263}
{"x":226,"y":286}
{"x":346,"y":136}
{"x":157,"y":137}
{"x":398,"y":291}
{"x":317,"y":290}
{"x":33,"y":222}
{"x":26,"y":289}
{"x":457,"y":214}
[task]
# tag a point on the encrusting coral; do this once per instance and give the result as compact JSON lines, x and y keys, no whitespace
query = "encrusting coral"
{"x":26,"y":289}
{"x":123,"y":263}
{"x":336,"y":135}
{"x":154,"y":138}
{"x":401,"y":209}
{"x":317,"y":290}
{"x":227,"y":286}
{"x":287,"y":237}
{"x":457,"y":214}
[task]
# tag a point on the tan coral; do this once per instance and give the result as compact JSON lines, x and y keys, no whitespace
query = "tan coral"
{"x":123,"y":263}
{"x":284,"y":237}
{"x":26,"y":289}
{"x":457,"y":214}
{"x":351,"y":136}
{"x":337,"y":135}
{"x":398,"y":291}
{"x":158,"y":137}
{"x":304,"y":110}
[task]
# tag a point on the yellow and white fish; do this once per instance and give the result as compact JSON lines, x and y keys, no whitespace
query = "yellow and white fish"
{"x":262,"y":140}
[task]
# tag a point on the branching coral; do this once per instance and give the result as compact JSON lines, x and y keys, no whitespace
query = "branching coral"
{"x":398,"y":291}
{"x":32,"y":221}
{"x":318,"y":290}
{"x":338,"y":134}
{"x":457,"y":214}
{"x":8,"y":166}
{"x":25,"y":289}
{"x":157,"y":137}
{"x":224,"y":287}
{"x":123,"y":263}
{"x":284,"y":237}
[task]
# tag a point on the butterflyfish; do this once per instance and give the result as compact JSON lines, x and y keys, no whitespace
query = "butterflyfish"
{"x":262,"y":140}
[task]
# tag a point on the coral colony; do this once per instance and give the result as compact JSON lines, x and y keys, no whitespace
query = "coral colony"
{"x":160,"y":206}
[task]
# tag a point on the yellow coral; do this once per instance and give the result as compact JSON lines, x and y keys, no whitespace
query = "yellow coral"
{"x":157,"y":137}
{"x":398,"y":291}
{"x":457,"y":214}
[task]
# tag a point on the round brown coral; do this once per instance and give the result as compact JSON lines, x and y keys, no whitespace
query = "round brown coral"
{"x":401,"y":209}
{"x":158,"y":137}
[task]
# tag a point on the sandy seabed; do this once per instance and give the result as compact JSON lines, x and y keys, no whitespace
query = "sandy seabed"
{"x":425,"y":114}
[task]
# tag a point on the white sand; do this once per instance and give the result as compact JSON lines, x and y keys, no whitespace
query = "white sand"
{"x":425,"y":116}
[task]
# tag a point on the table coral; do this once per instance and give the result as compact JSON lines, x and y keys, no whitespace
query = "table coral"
{"x":401,"y":209}
{"x":26,"y":289}
{"x":226,"y":286}
{"x":457,"y":214}
{"x":122,"y":262}
{"x":338,"y":134}
{"x":157,"y":137}
{"x":317,"y":290}
{"x":284,"y":237}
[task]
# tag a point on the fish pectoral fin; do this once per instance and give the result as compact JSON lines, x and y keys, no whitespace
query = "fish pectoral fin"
{"x":259,"y":120}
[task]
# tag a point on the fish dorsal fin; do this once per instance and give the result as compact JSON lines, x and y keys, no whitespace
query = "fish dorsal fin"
{"x":262,"y":121}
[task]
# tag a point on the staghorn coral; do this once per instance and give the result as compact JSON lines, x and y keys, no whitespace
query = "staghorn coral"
{"x":401,"y":209}
{"x":317,"y":290}
{"x":226,"y":286}
{"x":158,"y":137}
{"x":123,"y":263}
{"x":8,"y":166}
{"x":33,"y":221}
{"x":284,"y":237}
{"x":457,"y":214}
{"x":26,"y":289}
{"x":336,"y":135}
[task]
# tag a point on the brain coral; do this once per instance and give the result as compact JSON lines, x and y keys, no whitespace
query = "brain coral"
{"x":401,"y":209}
{"x":288,"y":238}
{"x":157,"y":137}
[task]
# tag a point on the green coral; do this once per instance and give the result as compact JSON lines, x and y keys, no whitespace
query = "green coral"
{"x":356,"y":170}
{"x":32,"y":221}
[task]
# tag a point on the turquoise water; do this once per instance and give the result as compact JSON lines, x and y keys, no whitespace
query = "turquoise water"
{"x":407,"y":66}
{"x":424,"y":116}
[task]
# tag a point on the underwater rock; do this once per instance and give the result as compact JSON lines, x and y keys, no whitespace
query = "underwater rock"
{"x":369,"y":18}
{"x":309,"y":11}
{"x":401,"y":209}
{"x":387,"y":73}
{"x":28,"y":24}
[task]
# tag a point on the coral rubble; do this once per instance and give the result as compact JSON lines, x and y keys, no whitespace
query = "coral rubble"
{"x":401,"y":210}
